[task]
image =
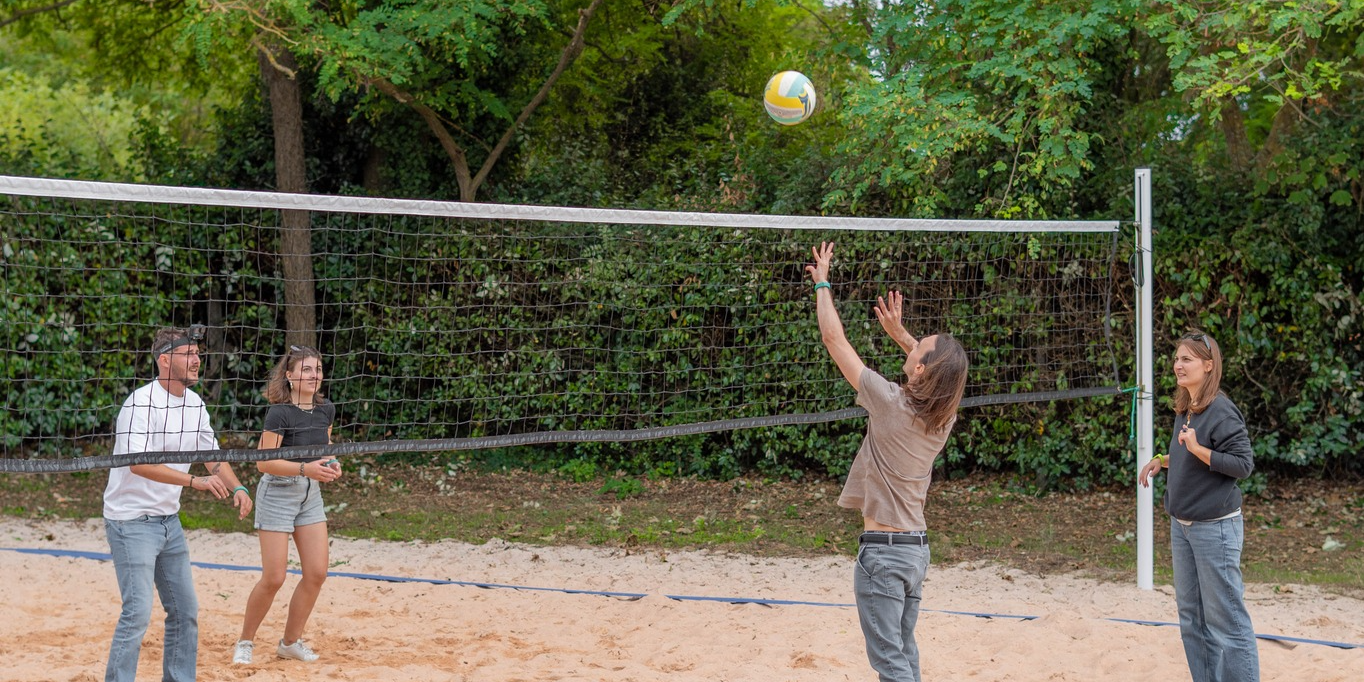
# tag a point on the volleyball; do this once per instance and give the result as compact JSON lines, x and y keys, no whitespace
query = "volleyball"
{"x":789,"y":98}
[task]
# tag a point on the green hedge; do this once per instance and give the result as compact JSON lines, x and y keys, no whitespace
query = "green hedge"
{"x":437,"y":328}
{"x":443,"y":329}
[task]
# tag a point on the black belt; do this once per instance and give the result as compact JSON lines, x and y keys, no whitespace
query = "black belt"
{"x":875,"y":538}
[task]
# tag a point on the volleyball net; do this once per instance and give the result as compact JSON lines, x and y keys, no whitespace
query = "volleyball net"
{"x":449,"y":326}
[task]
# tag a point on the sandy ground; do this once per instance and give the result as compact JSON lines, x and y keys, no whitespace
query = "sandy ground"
{"x":59,"y":615}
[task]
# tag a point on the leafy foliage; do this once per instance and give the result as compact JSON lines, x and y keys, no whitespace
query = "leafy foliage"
{"x":1008,"y":79}
{"x":70,"y":129}
{"x":1249,"y":114}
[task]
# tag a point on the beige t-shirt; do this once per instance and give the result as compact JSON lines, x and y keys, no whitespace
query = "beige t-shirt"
{"x":890,"y":475}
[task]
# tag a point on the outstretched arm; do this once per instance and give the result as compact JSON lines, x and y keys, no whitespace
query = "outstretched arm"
{"x":888,"y":310}
{"x":830,"y":326}
{"x":164,"y":474}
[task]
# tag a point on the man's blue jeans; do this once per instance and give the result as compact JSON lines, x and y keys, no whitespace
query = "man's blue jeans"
{"x":149,"y":553}
{"x":888,"y":581}
{"x":1219,"y":640}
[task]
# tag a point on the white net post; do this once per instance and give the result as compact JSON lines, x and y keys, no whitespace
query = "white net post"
{"x":1146,"y":394}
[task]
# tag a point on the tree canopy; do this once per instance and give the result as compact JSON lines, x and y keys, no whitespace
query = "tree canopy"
{"x":1249,"y":113}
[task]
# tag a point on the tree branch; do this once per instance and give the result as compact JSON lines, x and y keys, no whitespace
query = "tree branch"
{"x":34,"y":10}
{"x":817,"y":17}
{"x":1285,"y":119}
{"x":467,"y":190}
{"x":269,"y":55}
{"x":569,"y":54}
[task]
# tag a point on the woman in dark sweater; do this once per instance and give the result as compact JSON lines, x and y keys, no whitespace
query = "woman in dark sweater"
{"x":289,"y":501}
{"x":1209,"y":451}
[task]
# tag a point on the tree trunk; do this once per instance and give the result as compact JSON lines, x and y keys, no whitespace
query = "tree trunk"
{"x":1234,"y":134}
{"x":211,"y":378}
{"x":277,"y":68}
{"x":1285,"y":119}
{"x":372,"y":176}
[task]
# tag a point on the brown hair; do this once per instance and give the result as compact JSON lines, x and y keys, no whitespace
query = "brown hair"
{"x":277,"y":388}
{"x":1205,"y":348}
{"x":936,"y":393}
{"x":164,"y":338}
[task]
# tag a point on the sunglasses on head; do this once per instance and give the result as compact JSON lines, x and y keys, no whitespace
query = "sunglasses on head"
{"x":1201,"y":337}
{"x":300,"y":350}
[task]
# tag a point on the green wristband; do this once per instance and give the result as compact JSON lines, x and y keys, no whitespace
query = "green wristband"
{"x":241,"y":488}
{"x":823,"y":285}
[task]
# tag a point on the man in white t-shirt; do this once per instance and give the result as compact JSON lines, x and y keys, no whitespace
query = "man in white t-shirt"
{"x":142,"y":505}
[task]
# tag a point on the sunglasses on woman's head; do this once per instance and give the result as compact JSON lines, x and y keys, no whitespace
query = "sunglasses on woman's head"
{"x":1201,"y":337}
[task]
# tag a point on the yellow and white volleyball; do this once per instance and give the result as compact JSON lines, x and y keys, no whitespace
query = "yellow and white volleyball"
{"x":789,"y":98}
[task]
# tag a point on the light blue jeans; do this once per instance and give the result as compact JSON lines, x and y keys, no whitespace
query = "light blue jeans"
{"x":888,"y":582}
{"x":1219,"y":640}
{"x":149,"y":553}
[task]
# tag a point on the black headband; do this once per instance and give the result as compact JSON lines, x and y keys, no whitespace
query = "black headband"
{"x":193,"y":336}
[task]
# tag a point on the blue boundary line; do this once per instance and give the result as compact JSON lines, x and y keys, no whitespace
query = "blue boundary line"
{"x":633,"y":596}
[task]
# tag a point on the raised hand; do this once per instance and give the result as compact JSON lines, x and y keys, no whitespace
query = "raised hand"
{"x":889,"y":310}
{"x":824,"y":253}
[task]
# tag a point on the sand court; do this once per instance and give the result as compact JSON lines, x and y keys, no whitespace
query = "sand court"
{"x":60,"y":612}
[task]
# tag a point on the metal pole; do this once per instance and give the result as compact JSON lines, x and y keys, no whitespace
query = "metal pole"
{"x":1146,"y":394}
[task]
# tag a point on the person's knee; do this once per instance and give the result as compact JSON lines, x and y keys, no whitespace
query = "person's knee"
{"x":314,"y":577}
{"x":137,"y":602}
{"x":270,"y":581}
{"x":185,"y":617}
{"x":136,"y":613}
{"x":187,"y":609}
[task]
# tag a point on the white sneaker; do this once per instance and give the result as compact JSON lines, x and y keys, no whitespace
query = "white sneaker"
{"x":297,"y":651}
{"x":242,"y":654}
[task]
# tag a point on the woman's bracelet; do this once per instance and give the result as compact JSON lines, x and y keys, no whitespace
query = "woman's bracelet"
{"x":823,"y":285}
{"x":191,"y":482}
{"x":300,"y":468}
{"x":241,"y":488}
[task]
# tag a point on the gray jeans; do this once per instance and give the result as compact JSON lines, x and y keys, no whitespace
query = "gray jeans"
{"x":151,"y":558}
{"x":888,"y":581}
{"x":1219,"y":640}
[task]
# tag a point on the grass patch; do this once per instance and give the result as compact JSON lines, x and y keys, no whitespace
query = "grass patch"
{"x":1300,"y":531}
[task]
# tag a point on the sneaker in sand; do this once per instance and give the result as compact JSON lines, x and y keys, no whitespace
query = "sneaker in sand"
{"x":297,"y":651}
{"x":241,"y":655}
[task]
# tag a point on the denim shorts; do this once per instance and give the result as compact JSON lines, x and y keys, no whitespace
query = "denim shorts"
{"x":285,"y":502}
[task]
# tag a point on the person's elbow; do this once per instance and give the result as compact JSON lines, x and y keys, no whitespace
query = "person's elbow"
{"x":834,"y":339}
{"x":143,"y":470}
{"x":1236,"y":466}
